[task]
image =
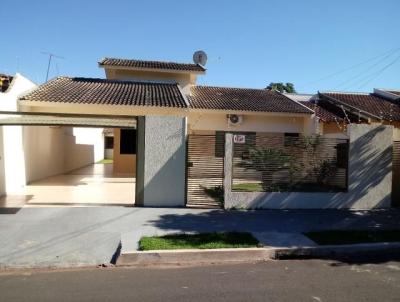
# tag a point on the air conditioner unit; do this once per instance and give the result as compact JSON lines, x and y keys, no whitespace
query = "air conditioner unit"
{"x":235,"y":119}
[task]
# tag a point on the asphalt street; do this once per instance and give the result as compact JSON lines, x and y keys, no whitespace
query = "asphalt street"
{"x":294,"y":280}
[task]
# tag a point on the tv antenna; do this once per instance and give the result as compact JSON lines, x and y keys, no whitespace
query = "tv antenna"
{"x":51,"y":56}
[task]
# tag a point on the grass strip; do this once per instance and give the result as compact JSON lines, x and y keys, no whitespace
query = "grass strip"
{"x":199,"y":241}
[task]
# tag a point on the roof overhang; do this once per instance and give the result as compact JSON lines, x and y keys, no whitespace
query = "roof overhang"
{"x":173,"y":71}
{"x":12,"y":118}
{"x":354,"y":110}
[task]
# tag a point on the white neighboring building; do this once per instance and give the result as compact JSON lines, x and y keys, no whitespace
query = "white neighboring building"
{"x":31,"y":153}
{"x":13,"y":159}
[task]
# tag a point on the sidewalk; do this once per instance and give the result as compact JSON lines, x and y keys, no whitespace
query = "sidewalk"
{"x":84,"y":236}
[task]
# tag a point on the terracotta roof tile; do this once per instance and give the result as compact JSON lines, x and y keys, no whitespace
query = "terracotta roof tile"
{"x":322,"y":113}
{"x":368,"y":103}
{"x":142,"y":64}
{"x":107,"y":92}
{"x":243,"y":99}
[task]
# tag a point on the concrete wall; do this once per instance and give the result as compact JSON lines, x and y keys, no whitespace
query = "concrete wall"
{"x":369,"y":177}
{"x":161,"y":161}
{"x":51,"y":151}
{"x":124,"y":164}
{"x":198,"y":122}
{"x":43,"y":152}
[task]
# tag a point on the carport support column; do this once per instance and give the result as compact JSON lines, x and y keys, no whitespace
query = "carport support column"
{"x":161,"y":161}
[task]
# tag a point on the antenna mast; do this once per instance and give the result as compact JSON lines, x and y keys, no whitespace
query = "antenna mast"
{"x":51,"y":55}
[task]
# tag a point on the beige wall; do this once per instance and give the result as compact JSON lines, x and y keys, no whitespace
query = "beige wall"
{"x":183,"y":79}
{"x":123,"y":163}
{"x":44,"y":152}
{"x":50,"y":151}
{"x":200,"y":122}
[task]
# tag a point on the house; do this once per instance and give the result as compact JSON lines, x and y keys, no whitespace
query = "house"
{"x":194,"y":145}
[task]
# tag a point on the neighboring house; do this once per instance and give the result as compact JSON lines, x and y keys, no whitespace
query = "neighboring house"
{"x":192,"y":144}
{"x":33,"y":153}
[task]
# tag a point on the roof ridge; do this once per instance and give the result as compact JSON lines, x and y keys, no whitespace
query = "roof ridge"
{"x":345,"y":92}
{"x":152,"y":61}
{"x":226,"y":87}
{"x":113,"y":80}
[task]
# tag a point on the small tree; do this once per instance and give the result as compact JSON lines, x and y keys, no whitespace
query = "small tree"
{"x":267,"y":161}
{"x":281,"y":87}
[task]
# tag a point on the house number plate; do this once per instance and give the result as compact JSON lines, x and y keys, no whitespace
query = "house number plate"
{"x":239,"y":139}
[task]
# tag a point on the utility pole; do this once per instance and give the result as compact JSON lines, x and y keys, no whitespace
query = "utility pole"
{"x":51,"y":56}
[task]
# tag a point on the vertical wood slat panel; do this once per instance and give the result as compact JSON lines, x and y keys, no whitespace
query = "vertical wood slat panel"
{"x":205,"y":170}
{"x":396,"y":174}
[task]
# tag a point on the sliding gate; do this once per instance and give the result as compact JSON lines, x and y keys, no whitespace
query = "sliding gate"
{"x":396,"y":174}
{"x":205,"y":170}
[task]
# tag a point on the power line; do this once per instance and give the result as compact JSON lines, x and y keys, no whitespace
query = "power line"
{"x":363,"y":72}
{"x":349,"y":68}
{"x":379,"y":72}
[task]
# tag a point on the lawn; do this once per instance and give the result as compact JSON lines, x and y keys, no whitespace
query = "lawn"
{"x":199,"y":241}
{"x":352,"y":237}
{"x":105,"y":161}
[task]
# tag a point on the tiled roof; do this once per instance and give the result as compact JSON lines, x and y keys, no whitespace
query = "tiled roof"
{"x":141,"y":64}
{"x":322,"y":113}
{"x":243,"y":99}
{"x":107,"y":92}
{"x":368,"y":103}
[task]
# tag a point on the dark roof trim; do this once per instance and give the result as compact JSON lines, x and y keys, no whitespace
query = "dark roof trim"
{"x":350,"y":108}
{"x":162,"y":66}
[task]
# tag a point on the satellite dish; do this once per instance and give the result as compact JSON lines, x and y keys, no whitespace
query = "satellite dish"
{"x":200,"y":57}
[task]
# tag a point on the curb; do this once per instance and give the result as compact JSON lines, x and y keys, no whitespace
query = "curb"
{"x":241,"y":255}
{"x":185,"y":257}
{"x":335,"y":251}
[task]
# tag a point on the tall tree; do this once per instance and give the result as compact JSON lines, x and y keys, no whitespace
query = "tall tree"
{"x":281,"y":87}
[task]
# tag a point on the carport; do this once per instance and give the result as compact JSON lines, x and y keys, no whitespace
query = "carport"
{"x":157,"y":110}
{"x":92,"y":184}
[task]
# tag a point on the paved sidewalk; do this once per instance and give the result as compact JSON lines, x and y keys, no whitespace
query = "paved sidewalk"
{"x":72,"y":236}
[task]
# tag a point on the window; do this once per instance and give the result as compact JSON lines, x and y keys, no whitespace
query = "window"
{"x":128,"y":141}
{"x":290,"y":139}
{"x":108,"y":142}
{"x":342,"y":152}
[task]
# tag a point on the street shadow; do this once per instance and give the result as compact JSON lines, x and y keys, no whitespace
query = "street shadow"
{"x":285,"y":221}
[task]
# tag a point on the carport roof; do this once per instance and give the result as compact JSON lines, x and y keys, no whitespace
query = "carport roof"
{"x":108,"y":92}
{"x":59,"y":119}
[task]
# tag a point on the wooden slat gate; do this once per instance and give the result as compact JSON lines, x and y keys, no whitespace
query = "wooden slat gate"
{"x":396,"y":174}
{"x":205,"y":170}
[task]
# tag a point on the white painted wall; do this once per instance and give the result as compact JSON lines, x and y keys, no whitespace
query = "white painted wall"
{"x":13,"y":148}
{"x":44,"y":152}
{"x":93,"y":137}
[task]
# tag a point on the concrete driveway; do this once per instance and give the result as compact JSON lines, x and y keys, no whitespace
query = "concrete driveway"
{"x":81,"y":236}
{"x":95,"y":184}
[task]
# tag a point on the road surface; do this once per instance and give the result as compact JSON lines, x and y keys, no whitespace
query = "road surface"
{"x":294,"y":280}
